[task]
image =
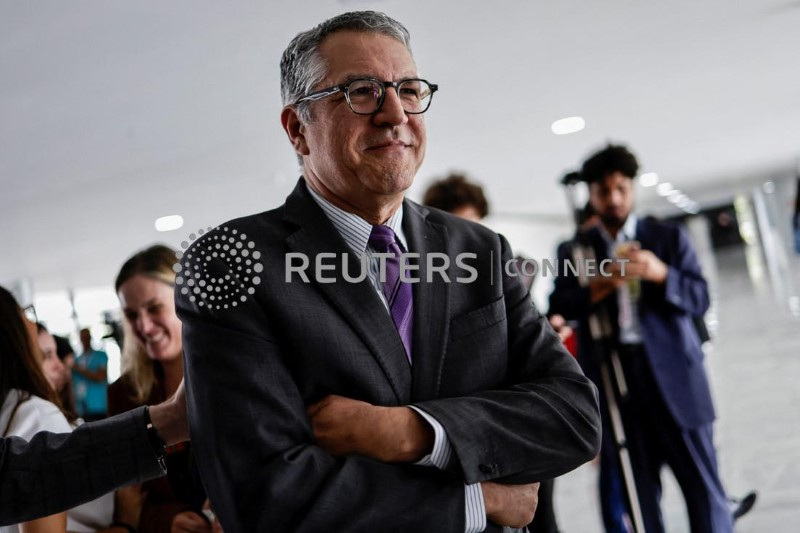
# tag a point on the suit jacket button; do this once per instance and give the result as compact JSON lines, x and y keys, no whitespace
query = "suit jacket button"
{"x":486,"y":469}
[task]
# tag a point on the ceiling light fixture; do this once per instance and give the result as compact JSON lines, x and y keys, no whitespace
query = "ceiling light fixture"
{"x":568,"y":125}
{"x":169,"y":223}
{"x":664,"y":189}
{"x":648,"y":179}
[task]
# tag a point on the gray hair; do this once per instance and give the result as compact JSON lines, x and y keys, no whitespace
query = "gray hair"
{"x":301,"y":65}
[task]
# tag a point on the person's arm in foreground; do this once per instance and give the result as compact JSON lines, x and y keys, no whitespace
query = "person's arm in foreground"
{"x":50,"y":473}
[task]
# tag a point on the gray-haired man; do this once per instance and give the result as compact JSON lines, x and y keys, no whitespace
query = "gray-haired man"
{"x":374,"y":403}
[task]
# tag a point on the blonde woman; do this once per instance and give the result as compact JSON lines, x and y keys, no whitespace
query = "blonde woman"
{"x":153,"y":359}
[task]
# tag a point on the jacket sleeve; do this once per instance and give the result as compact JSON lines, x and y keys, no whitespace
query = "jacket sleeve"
{"x":685,"y":289}
{"x":54,"y":472}
{"x":256,"y":450}
{"x":544,"y":420}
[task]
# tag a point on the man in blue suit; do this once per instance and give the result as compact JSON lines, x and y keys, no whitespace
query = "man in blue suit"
{"x":648,"y":304}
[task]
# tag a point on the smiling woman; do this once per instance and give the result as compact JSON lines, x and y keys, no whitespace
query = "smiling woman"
{"x":152,"y":354}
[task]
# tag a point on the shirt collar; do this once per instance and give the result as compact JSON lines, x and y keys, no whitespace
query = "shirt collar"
{"x":355,"y":230}
{"x":626,"y":233}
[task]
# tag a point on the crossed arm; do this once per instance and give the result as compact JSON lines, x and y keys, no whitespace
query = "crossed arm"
{"x":345,"y":426}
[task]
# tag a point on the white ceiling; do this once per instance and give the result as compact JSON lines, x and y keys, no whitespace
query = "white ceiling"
{"x":115,"y":113}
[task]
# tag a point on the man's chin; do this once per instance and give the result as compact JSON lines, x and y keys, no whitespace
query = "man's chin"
{"x":612,"y":221}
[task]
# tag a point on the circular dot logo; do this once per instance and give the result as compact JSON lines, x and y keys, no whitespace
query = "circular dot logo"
{"x":218,"y":290}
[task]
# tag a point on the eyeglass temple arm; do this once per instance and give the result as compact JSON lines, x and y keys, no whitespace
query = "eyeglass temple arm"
{"x":313,"y":97}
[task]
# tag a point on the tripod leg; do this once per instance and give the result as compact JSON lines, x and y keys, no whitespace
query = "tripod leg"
{"x":621,"y":442}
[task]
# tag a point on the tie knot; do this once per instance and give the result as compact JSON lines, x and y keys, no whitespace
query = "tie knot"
{"x":382,"y":237}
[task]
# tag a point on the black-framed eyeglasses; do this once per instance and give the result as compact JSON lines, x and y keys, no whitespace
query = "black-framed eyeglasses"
{"x":30,"y":314}
{"x":365,"y":96}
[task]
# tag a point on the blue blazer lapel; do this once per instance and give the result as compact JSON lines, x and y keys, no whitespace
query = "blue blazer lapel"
{"x":431,"y":303}
{"x":357,"y":302}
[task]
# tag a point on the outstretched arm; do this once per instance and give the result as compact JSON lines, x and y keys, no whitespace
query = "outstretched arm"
{"x":49,"y":474}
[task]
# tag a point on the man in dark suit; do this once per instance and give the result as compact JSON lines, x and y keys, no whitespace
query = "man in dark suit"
{"x":342,"y":397}
{"x":649,"y":308}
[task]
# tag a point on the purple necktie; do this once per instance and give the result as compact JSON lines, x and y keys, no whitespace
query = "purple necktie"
{"x":397,"y":293}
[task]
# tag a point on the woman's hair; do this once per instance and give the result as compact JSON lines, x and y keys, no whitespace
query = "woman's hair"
{"x":20,"y":368}
{"x":155,"y":262}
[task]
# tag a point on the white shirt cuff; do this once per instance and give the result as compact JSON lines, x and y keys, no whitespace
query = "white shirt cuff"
{"x":442,"y":453}
{"x":474,"y":508}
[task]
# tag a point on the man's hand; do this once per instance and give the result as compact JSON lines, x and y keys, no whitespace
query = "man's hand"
{"x":645,"y":265}
{"x":510,"y":505}
{"x":344,"y":426}
{"x":170,"y":418}
{"x":560,"y":326}
{"x":190,"y":522}
{"x":601,"y":286}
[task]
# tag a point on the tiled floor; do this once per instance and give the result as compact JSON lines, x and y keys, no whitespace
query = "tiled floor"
{"x":754,"y":366}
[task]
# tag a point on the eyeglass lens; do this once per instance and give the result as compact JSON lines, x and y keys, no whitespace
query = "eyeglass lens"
{"x":365,"y":95}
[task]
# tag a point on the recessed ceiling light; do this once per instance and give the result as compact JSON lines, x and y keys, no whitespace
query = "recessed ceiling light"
{"x":664,"y":189}
{"x":169,"y":223}
{"x":648,"y":179}
{"x":568,"y":125}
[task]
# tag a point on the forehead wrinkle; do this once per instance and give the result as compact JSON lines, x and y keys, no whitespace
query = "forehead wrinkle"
{"x":328,"y":55}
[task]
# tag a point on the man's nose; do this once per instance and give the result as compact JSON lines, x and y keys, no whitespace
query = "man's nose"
{"x":391,"y":112}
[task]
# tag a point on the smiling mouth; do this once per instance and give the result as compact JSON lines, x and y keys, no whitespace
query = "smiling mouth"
{"x":153,"y":341}
{"x":393,"y":145}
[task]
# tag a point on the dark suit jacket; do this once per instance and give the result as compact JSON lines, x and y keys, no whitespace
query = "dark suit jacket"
{"x":486,"y":365}
{"x":666,"y":313}
{"x":54,"y":472}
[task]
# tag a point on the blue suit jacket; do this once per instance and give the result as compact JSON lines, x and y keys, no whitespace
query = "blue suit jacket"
{"x":666,"y":314}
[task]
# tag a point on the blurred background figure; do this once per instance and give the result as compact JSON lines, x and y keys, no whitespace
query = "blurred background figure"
{"x":90,"y":380}
{"x":56,"y":372}
{"x":153,"y":369}
{"x":796,"y":218}
{"x":459,"y":196}
{"x":641,"y":325}
{"x":28,"y":382}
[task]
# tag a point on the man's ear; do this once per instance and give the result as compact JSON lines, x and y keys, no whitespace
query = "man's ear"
{"x":295,"y":130}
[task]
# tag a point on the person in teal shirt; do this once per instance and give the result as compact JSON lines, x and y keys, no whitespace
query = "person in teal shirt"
{"x":90,"y":380}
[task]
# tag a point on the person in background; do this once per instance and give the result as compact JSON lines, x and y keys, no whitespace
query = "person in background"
{"x":89,"y":380}
{"x":153,"y":356}
{"x":796,"y":218}
{"x":458,"y":196}
{"x":668,"y":413}
{"x":56,"y":372}
{"x":97,"y":514}
{"x":65,"y":353}
{"x":30,"y":405}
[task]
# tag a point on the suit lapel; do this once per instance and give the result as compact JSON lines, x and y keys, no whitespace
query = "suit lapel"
{"x":431,"y":303}
{"x":357,"y":302}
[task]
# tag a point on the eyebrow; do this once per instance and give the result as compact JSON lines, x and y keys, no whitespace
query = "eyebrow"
{"x":148,"y":303}
{"x":354,"y":77}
